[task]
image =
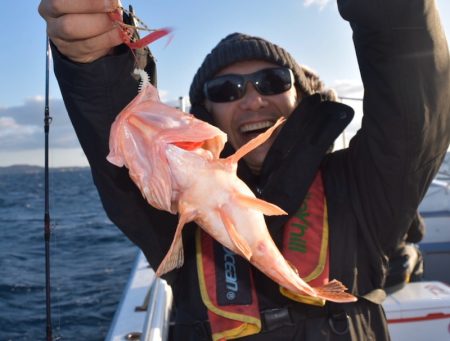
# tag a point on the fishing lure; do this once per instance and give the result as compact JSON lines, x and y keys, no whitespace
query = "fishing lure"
{"x":129,"y":33}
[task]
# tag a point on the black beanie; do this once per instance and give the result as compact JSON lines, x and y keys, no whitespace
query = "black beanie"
{"x":238,"y":47}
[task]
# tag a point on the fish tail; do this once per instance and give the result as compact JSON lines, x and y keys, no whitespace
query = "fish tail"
{"x":335,"y":291}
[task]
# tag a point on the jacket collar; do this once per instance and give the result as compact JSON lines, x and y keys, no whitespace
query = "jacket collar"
{"x":298,"y":151}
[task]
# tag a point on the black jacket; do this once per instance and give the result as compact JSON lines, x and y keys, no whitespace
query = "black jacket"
{"x":373,"y":188}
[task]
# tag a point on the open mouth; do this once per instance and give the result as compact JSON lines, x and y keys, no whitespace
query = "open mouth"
{"x":256,"y":128}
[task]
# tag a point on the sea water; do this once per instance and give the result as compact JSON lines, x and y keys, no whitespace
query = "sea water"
{"x":90,"y":258}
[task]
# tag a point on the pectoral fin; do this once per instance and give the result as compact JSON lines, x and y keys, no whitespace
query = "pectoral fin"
{"x":240,"y":243}
{"x":175,"y":256}
{"x":254,"y":143}
{"x":265,"y":207}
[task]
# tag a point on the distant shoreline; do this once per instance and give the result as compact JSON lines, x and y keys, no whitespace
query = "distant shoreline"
{"x":23,"y":168}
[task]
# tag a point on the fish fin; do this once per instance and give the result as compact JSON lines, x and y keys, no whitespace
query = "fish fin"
{"x":293,"y":267}
{"x":261,"y":205}
{"x":240,"y":243}
{"x":175,"y":256}
{"x":335,"y":291}
{"x":254,"y":143}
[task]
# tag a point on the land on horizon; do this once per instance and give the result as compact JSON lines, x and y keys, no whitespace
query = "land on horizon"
{"x":24,"y":168}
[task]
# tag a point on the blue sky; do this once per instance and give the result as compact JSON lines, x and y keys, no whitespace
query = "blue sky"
{"x":311,"y":30}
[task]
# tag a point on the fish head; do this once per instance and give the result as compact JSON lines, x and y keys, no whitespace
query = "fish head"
{"x":251,"y":114}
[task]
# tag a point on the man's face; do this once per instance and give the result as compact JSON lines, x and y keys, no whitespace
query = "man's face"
{"x":245,"y":118}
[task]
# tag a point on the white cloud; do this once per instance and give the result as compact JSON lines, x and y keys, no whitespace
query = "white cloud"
{"x":37,"y":98}
{"x":22,"y":136}
{"x":320,"y":3}
{"x":22,"y":126}
{"x":12,"y":132}
{"x":348,"y":88}
{"x":7,"y":123}
{"x":163,"y":95}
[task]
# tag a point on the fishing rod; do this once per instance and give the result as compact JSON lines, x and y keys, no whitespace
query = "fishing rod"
{"x":47,"y":121}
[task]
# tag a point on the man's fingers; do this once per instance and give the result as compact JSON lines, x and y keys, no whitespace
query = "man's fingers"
{"x":82,"y":30}
{"x":79,"y":26}
{"x":88,"y":50}
{"x":57,"y":8}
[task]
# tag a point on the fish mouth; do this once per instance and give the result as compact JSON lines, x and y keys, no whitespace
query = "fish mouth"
{"x":255,"y":128}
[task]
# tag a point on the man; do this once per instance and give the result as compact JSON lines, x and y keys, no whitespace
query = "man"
{"x":371,"y":190}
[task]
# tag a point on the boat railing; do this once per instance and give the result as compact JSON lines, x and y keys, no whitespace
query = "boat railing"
{"x":144,"y":311}
{"x":156,"y":327}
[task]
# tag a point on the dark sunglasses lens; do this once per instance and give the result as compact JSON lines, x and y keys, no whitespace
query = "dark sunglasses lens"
{"x":230,"y":88}
{"x":274,"y":81}
{"x":224,"y":89}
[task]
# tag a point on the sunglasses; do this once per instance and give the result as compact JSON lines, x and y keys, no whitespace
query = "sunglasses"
{"x":229,"y":88}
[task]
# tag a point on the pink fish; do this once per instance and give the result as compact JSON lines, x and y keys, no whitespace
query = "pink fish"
{"x":139,"y":139}
{"x":174,"y":160}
